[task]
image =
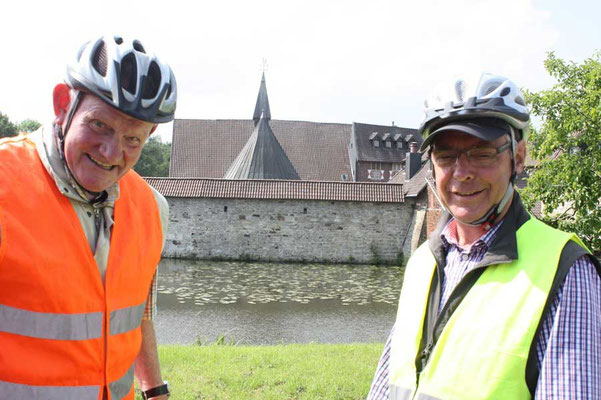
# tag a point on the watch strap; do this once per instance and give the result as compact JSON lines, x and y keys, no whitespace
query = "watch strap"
{"x":156,"y":391}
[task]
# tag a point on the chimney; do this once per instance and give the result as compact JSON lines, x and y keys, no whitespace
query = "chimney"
{"x":413,"y":160}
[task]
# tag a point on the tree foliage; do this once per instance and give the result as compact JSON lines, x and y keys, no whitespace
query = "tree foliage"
{"x":154,"y":160}
{"x":7,"y":128}
{"x":568,"y":147}
{"x":29,"y":125}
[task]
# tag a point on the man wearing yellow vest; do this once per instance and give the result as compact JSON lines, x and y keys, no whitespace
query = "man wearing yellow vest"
{"x":81,"y":234}
{"x":495,"y":305}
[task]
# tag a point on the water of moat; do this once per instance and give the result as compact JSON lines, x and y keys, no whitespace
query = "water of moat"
{"x":266,"y":303}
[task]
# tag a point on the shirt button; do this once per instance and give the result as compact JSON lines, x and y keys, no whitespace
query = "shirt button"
{"x":465,"y":257}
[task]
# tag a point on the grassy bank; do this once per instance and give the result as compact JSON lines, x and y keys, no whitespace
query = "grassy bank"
{"x":298,"y":371}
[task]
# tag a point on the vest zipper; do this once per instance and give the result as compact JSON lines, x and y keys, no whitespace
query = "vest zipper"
{"x":97,"y":219}
{"x":427,"y":350}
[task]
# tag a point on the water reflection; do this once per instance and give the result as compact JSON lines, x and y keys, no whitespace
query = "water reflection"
{"x":259,"y":303}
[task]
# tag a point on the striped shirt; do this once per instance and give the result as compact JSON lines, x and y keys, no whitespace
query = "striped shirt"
{"x":568,"y":348}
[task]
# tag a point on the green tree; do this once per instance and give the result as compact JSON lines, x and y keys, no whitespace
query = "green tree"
{"x":7,"y":128}
{"x":154,"y":160}
{"x":29,"y":125}
{"x":568,"y":146}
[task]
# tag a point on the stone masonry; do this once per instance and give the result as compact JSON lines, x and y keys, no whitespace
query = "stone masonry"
{"x":290,"y":230}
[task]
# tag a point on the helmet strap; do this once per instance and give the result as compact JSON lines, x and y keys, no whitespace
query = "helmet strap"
{"x":488,"y":220}
{"x":60,"y":133}
{"x":59,"y":136}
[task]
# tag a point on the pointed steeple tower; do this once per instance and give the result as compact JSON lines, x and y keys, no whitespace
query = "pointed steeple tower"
{"x":262,"y":157}
{"x":262,"y":106}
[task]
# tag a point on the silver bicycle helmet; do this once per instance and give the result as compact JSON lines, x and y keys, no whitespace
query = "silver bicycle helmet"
{"x":122,"y":73}
{"x":486,"y":96}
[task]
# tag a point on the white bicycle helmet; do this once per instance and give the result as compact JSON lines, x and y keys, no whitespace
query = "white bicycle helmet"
{"x":487,"y":96}
{"x":122,"y":73}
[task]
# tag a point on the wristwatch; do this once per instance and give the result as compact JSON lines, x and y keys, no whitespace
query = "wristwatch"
{"x":156,"y":391}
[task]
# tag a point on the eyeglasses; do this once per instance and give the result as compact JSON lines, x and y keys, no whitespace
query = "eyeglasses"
{"x":476,"y":156}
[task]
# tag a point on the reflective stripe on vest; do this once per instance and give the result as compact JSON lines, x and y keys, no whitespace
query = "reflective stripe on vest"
{"x":19,"y":391}
{"x":401,"y":393}
{"x":483,"y":348}
{"x":126,"y":319}
{"x":49,"y":325}
{"x":119,"y":389}
{"x":68,"y":326}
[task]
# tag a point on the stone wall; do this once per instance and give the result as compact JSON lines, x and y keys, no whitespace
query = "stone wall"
{"x":290,"y":230}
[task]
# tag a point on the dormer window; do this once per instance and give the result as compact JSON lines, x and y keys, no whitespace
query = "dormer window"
{"x":399,"y":145}
{"x":386,"y":140}
{"x":374,"y":139}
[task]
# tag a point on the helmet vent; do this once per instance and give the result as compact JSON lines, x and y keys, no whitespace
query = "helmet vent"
{"x":129,"y":73}
{"x":460,"y":89}
{"x":99,"y":60}
{"x":153,"y":80}
{"x":490,"y":87}
{"x":118,"y":39}
{"x":138,"y":47}
{"x":520,"y":101}
{"x":505,"y":91}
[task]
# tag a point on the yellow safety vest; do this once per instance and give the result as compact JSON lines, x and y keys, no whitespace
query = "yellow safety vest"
{"x":483,"y":349}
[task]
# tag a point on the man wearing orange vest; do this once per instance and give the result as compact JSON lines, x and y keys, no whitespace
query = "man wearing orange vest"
{"x":81,"y":234}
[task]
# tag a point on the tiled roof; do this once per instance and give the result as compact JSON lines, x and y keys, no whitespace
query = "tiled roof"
{"x":365,"y":133}
{"x":278,"y":189}
{"x":417,"y":183}
{"x":206,"y":148}
{"x":262,"y":157}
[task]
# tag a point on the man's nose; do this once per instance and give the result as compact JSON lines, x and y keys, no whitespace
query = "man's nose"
{"x":463,"y":168}
{"x":111,"y":149}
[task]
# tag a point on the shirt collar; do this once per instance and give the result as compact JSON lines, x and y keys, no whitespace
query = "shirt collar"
{"x":449,"y":237}
{"x":46,"y":146}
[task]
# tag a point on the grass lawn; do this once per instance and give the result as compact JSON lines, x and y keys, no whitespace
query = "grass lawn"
{"x":296,"y":371}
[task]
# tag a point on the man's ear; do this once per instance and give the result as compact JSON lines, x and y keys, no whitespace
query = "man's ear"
{"x":61,"y":97}
{"x":520,"y":156}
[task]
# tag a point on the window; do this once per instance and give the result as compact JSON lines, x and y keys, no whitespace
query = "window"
{"x":399,"y":145}
{"x":376,"y":143}
{"x":375,"y":174}
{"x":388,"y":144}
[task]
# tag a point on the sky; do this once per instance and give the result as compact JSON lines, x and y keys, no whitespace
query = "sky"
{"x":326,"y":60}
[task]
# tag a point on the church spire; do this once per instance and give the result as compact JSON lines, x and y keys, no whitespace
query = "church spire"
{"x":262,"y":106}
{"x":262,"y":157}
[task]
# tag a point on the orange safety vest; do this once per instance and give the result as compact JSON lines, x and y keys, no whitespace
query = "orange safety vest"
{"x":63,"y":334}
